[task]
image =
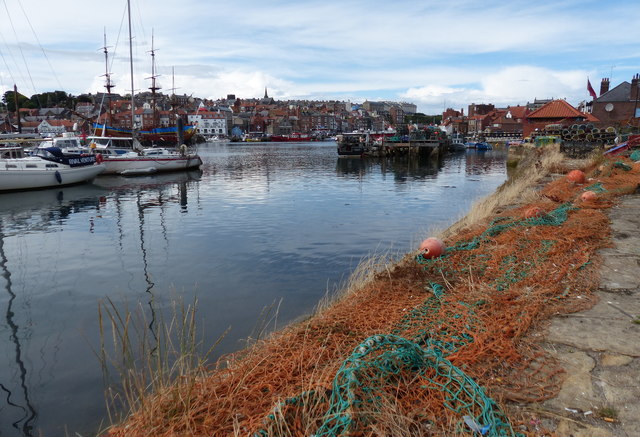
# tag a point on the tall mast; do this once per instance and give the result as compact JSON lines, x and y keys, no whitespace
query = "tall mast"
{"x":133,"y":126}
{"x":154,"y":87}
{"x":15,"y":97}
{"x":108,"y":84}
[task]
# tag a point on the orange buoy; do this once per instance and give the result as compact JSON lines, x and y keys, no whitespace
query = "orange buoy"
{"x":576,"y":176}
{"x":432,"y":247}
{"x":534,"y":211}
{"x":588,"y":196}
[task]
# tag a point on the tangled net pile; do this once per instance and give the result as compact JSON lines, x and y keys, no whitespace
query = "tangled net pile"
{"x":433,"y":347}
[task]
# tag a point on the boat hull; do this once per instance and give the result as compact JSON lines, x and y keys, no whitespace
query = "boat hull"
{"x":30,"y":179}
{"x":351,"y":153}
{"x":293,"y":138}
{"x":146,"y":165}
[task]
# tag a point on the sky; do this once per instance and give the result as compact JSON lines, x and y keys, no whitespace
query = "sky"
{"x":437,"y":55}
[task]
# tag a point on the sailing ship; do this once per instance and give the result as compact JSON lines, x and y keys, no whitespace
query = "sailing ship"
{"x":125,"y":155}
{"x":153,"y":133}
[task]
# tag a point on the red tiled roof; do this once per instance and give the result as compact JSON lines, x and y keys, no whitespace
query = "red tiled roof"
{"x":517,"y":111}
{"x":592,"y":118}
{"x":556,"y":109}
{"x":65,"y":123}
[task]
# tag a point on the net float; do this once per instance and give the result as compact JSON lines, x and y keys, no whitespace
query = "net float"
{"x":534,"y":211}
{"x":588,"y":196}
{"x":432,"y":247}
{"x":576,"y":176}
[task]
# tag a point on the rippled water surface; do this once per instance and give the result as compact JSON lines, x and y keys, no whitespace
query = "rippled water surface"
{"x":260,"y":224}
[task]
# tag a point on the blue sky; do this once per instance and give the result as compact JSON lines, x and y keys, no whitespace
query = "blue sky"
{"x":434,"y":54}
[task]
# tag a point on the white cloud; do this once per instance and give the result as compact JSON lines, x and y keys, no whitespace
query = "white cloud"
{"x":521,"y":83}
{"x":515,"y":85}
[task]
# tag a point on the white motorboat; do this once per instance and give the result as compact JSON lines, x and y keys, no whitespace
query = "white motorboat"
{"x":50,"y":167}
{"x":119,"y":155}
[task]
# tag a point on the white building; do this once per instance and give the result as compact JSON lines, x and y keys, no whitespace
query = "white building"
{"x":209,"y":123}
{"x":55,"y":127}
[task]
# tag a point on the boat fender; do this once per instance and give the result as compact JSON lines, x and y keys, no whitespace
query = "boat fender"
{"x":576,"y":176}
{"x":589,"y":196}
{"x":432,"y":248}
{"x":99,"y":158}
{"x":58,"y":177}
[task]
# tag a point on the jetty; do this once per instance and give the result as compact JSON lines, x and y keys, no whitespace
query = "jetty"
{"x":430,"y":143}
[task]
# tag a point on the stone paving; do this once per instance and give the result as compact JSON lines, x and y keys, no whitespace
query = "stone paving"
{"x":600,"y":348}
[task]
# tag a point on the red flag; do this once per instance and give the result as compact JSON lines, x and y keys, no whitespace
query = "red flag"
{"x":590,"y":89}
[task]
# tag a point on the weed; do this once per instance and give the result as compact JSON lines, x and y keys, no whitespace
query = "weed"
{"x":608,"y":413}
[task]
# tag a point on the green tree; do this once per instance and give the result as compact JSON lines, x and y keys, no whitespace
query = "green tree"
{"x":84,"y":98}
{"x":9,"y":99}
{"x":420,"y":118}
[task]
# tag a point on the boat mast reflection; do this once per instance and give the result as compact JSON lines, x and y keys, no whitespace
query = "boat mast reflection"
{"x":22,"y":424}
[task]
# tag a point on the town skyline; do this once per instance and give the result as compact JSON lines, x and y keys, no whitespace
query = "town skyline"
{"x":433,"y":55}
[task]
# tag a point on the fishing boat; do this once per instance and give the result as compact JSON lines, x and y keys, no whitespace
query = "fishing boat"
{"x":457,"y":142}
{"x":483,"y":145}
{"x":49,"y":167}
{"x":354,"y":144}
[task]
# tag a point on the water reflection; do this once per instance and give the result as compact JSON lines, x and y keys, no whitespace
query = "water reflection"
{"x":21,"y":214}
{"x":18,"y":401}
{"x":31,"y":345}
{"x":403,"y":168}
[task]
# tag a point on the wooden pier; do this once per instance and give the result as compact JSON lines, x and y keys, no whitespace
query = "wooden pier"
{"x":427,"y":148}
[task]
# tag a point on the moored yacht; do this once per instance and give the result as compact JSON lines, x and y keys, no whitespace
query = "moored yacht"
{"x":49,"y":167}
{"x":123,"y":155}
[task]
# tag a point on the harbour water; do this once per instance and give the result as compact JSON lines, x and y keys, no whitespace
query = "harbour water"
{"x":260,"y":224}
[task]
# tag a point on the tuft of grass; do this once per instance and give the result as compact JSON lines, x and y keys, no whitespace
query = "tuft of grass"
{"x":365,"y":272}
{"x":147,"y":355}
{"x":608,"y":412}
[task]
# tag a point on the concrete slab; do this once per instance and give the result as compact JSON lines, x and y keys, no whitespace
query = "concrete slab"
{"x":600,"y":347}
{"x":573,"y":429}
{"x":607,"y":327}
{"x":577,"y":391}
{"x":620,"y":386}
{"x":620,"y":272}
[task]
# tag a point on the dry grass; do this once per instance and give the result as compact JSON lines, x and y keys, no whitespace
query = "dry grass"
{"x":522,"y":188}
{"x":365,"y":272}
{"x":144,"y":356}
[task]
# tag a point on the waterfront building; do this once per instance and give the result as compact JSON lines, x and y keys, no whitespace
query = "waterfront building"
{"x":555,"y":112}
{"x":619,"y":105}
{"x":55,"y":127}
{"x":208,"y":122}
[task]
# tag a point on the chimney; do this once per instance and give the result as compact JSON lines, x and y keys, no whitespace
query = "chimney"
{"x":634,"y":87}
{"x":604,"y":85}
